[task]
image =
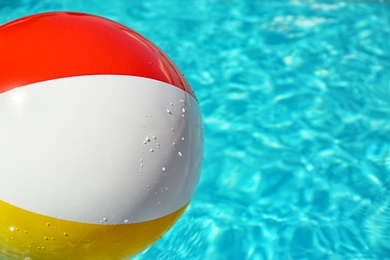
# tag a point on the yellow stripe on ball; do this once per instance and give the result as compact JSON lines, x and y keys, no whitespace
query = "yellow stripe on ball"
{"x":27,"y":235}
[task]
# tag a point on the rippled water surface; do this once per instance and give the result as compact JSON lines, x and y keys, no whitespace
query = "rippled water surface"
{"x":295,"y":98}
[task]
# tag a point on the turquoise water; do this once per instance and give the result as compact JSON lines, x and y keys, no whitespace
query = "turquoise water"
{"x":295,"y":97}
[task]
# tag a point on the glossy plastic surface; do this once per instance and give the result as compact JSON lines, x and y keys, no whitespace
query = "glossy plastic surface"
{"x":43,"y":237}
{"x":100,"y":139}
{"x":59,"y":44}
{"x":108,"y":147}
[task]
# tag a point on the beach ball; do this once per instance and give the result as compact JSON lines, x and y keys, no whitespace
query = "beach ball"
{"x":100,"y":139}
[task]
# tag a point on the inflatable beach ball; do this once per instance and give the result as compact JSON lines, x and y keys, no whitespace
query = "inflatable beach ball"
{"x":100,"y":139}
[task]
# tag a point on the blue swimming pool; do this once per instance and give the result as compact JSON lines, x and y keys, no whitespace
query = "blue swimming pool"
{"x":295,"y":97}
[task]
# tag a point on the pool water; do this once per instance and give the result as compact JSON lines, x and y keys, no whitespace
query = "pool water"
{"x":295,"y":97}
